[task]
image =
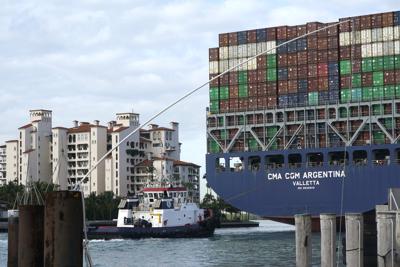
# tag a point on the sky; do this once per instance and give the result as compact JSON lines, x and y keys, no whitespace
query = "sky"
{"x":87,"y":60}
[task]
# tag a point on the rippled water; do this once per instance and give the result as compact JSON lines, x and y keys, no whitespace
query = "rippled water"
{"x":271,"y":244}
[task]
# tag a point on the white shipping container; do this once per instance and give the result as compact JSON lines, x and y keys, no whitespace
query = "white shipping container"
{"x":233,"y":51}
{"x":356,"y":36}
{"x":397,"y":47}
{"x":243,"y":66}
{"x":271,"y":45}
{"x":213,"y":67}
{"x":252,"y":64}
{"x":223,"y":52}
{"x":344,"y":38}
{"x":223,"y":65}
{"x":387,"y":34}
{"x":242,"y":51}
{"x":233,"y":62}
{"x":396,"y":32}
{"x":251,"y":49}
{"x":261,"y":47}
{"x":388,"y":48}
{"x":366,"y":50}
{"x":377,"y":49}
{"x":376,"y":35}
{"x":366,"y":36}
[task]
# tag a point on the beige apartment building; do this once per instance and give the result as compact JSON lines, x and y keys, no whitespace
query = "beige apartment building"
{"x":3,"y":167}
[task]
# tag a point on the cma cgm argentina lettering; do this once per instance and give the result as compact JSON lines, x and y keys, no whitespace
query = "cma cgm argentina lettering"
{"x":313,"y":124}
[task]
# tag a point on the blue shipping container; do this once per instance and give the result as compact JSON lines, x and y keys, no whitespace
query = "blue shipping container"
{"x":333,"y":82}
{"x":396,"y":18}
{"x":292,"y":100}
{"x":302,"y":86}
{"x":333,"y":68}
{"x":261,"y":35}
{"x":242,"y":37}
{"x":282,"y":49}
{"x":302,"y":98}
{"x":292,"y":47}
{"x":302,"y":44}
{"x":282,"y":74}
{"x":283,"y":101}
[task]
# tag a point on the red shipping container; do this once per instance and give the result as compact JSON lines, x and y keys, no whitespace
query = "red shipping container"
{"x":243,"y":104}
{"x":376,"y":21}
{"x":252,"y":104}
{"x":333,"y":42}
{"x":252,"y":36}
{"x":397,"y":76}
{"x":272,"y":102}
{"x":345,"y":81}
{"x":302,"y":58}
{"x":223,"y":39}
{"x":322,"y":56}
{"x":389,"y":77}
{"x":323,"y":83}
{"x":322,"y":33}
{"x":344,"y":26}
{"x":322,"y":43}
{"x":355,"y":23}
{"x":262,"y":102}
{"x":261,"y":62}
{"x":356,"y":65}
{"x":302,"y":72}
{"x":344,"y":52}
{"x":322,"y":69}
{"x":233,"y":77}
{"x":213,"y":54}
{"x":301,"y":30}
{"x":387,"y":19}
{"x":272,"y":88}
{"x":282,"y":87}
{"x":292,"y":86}
{"x":281,"y":33}
{"x":252,"y":76}
{"x":233,"y":104}
{"x":333,"y":30}
{"x":271,"y":34}
{"x":262,"y":89}
{"x":232,"y":38}
{"x":292,"y":73}
{"x":282,"y":60}
{"x":224,"y":105}
{"x":312,"y":42}
{"x":312,"y":26}
{"x":367,"y":79}
{"x":312,"y":57}
{"x":356,"y":51}
{"x":233,"y":91}
{"x":214,"y":82}
{"x":312,"y":70}
{"x":224,"y":79}
{"x":261,"y":75}
{"x":252,"y":89}
{"x":312,"y":84}
{"x":292,"y":59}
{"x":291,"y":32}
{"x":333,"y":55}
{"x":365,"y":22}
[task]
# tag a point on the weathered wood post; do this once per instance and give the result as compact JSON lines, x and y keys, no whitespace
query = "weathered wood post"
{"x":63,"y":229}
{"x":386,"y":223}
{"x":30,"y":235}
{"x":12,"y":258}
{"x":354,"y":240}
{"x":328,"y":240}
{"x":303,"y":240}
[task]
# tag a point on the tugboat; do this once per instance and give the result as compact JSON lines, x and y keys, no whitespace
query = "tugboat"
{"x":160,"y":212}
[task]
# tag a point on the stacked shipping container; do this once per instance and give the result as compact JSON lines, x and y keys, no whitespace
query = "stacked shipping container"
{"x":356,"y":61}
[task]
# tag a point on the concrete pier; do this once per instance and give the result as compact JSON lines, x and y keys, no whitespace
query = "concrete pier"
{"x":354,"y":239}
{"x":386,"y":223}
{"x":328,"y":240}
{"x":13,"y":222}
{"x":63,"y":229}
{"x":303,"y":240}
{"x":30,"y":235}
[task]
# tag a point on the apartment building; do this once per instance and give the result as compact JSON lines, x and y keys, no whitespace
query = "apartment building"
{"x":12,"y":161}
{"x":3,"y":168}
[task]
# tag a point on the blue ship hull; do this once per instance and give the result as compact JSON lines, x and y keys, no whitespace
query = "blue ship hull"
{"x":287,"y":191}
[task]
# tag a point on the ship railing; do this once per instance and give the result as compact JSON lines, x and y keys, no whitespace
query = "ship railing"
{"x":295,"y":165}
{"x":272,"y":166}
{"x":360,"y":162}
{"x":381,"y":162}
{"x":314,"y":163}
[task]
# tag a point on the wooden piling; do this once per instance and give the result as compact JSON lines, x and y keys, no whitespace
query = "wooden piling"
{"x":30,"y":235}
{"x":354,"y":239}
{"x":303,"y":240}
{"x":386,"y":223}
{"x":12,"y":258}
{"x":63,"y":229}
{"x":328,"y":240}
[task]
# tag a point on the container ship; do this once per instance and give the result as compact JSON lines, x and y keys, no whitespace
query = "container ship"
{"x":313,"y":125}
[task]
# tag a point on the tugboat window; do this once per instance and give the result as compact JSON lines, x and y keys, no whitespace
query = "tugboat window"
{"x":360,"y":157}
{"x":294,"y":160}
{"x":315,"y":159}
{"x":220,"y":164}
{"x":254,"y":163}
{"x":381,"y":157}
{"x":236,"y":164}
{"x":274,"y":162}
{"x":338,"y":158}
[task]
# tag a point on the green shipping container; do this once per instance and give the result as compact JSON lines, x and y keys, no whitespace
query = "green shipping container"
{"x":242,"y":77}
{"x":223,"y":134}
{"x":271,"y":131}
{"x":214,"y":93}
{"x":345,"y":67}
{"x":377,"y":93}
{"x":356,"y":80}
{"x":220,"y":121}
{"x":397,"y":61}
{"x":388,"y":123}
{"x":378,"y":137}
{"x":313,"y":98}
{"x":342,"y":112}
{"x":356,"y":95}
{"x":253,"y":145}
{"x":377,"y":63}
{"x":367,"y":64}
{"x":223,"y":92}
{"x":271,"y":75}
{"x":389,"y":92}
{"x":271,"y":61}
{"x":367,"y":94}
{"x":240,"y":120}
{"x":377,"y":77}
{"x":388,"y":62}
{"x":397,"y":90}
{"x":214,"y":106}
{"x":243,"y":92}
{"x":345,"y":96}
{"x":214,"y":147}
{"x":377,"y":109}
